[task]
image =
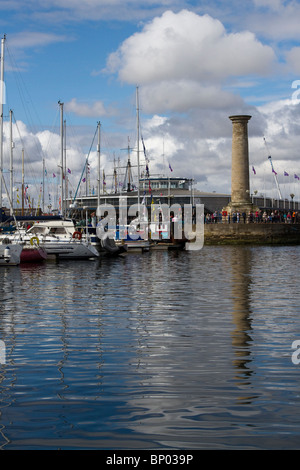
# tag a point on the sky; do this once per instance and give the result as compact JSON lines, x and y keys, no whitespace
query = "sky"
{"x":195,"y":63}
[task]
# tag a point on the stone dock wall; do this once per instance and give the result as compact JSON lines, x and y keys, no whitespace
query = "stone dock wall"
{"x":252,"y":233}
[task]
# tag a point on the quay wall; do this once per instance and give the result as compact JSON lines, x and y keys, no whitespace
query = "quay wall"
{"x":252,"y":233}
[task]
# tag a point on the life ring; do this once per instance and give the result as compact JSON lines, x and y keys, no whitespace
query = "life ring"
{"x":77,"y":235}
{"x":34,"y":241}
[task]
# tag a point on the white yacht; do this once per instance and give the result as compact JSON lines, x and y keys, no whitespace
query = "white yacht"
{"x":60,"y":238}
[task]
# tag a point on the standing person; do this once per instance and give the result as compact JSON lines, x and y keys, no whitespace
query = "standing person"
{"x":244,"y":216}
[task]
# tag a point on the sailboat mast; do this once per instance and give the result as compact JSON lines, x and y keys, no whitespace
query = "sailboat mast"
{"x":11,"y":161}
{"x":99,"y":156}
{"x":23,"y":185}
{"x":138,"y":143}
{"x":43,"y":188}
{"x":65,"y":165}
{"x":1,"y":113}
{"x":62,"y":154}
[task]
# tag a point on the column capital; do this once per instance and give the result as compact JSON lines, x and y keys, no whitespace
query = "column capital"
{"x":240,"y":117}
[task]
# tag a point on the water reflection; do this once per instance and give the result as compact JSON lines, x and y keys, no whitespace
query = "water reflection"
{"x":241,"y":266}
{"x":152,"y":351}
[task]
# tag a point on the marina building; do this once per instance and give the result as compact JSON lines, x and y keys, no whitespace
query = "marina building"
{"x":176,"y":190}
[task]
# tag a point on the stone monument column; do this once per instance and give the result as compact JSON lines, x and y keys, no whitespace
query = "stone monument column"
{"x":240,"y":180}
{"x":240,"y":186}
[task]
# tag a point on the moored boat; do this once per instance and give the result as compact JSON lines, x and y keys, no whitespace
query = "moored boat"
{"x":60,"y":238}
{"x":109,"y":246}
{"x":33,"y":254}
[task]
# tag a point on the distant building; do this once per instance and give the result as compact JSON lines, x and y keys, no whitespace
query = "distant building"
{"x":164,"y":190}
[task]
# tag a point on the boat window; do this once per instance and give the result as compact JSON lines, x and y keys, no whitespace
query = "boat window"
{"x":36,"y":230}
{"x":58,"y":230}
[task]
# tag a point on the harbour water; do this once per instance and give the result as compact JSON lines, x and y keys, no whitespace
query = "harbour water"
{"x":164,"y":350}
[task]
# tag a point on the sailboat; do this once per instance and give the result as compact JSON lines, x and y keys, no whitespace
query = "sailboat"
{"x":31,"y":251}
{"x":13,"y":250}
{"x":10,"y":253}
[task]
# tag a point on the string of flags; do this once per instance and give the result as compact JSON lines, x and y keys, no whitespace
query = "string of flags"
{"x":54,"y":175}
{"x":285,"y":173}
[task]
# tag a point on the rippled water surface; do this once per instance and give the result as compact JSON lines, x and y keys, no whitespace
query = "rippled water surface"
{"x":164,"y":350}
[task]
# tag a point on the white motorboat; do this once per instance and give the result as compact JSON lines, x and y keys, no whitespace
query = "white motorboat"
{"x":60,"y":238}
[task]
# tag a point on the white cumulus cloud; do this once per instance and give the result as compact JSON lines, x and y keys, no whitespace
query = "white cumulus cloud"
{"x":188,"y":54}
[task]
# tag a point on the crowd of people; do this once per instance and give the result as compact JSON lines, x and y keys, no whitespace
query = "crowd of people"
{"x":260,"y":216}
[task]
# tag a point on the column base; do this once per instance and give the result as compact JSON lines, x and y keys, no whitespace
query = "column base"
{"x":241,"y":208}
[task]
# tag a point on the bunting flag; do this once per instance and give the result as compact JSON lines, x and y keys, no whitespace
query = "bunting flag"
{"x":40,"y":197}
{"x":273,"y":171}
{"x":144,"y":148}
{"x":253,"y":169}
{"x":147,"y":171}
{"x":150,"y":187}
{"x":285,"y":174}
{"x":104,"y":182}
{"x":45,"y":172}
{"x":170,"y":167}
{"x":296,"y":177}
{"x":69,"y":171}
{"x":18,"y":200}
{"x":54,"y":175}
{"x":83,"y":180}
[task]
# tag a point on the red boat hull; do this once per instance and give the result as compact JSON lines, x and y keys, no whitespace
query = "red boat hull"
{"x":32,"y":254}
